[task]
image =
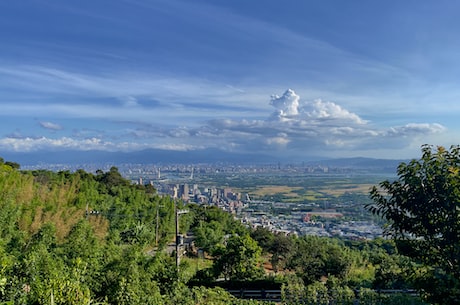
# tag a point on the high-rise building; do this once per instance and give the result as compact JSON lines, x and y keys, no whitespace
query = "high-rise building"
{"x":184,"y":192}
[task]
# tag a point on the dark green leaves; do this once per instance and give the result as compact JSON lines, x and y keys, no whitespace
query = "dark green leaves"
{"x":422,"y":208}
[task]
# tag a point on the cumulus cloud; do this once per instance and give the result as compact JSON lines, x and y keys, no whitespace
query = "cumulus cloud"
{"x":314,"y":126}
{"x":287,"y":104}
{"x":329,"y":110}
{"x":289,"y":107}
{"x":51,"y":126}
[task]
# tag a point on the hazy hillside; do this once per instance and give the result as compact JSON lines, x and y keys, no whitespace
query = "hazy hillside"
{"x":139,"y":157}
{"x":208,"y":156}
{"x":360,"y":163}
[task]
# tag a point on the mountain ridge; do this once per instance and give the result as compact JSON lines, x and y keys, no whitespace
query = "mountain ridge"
{"x":208,"y":156}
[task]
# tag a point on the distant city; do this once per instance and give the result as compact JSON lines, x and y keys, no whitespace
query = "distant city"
{"x":220,"y":184}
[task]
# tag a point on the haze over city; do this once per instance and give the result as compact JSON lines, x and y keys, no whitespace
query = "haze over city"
{"x":292,"y":79}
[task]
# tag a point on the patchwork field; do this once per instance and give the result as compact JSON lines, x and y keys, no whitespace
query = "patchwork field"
{"x":270,"y":190}
{"x":312,"y":192}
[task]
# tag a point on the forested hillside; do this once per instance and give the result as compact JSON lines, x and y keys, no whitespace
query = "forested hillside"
{"x":82,"y":238}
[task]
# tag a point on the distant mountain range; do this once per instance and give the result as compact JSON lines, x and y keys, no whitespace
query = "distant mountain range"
{"x":359,"y":162}
{"x":139,"y":157}
{"x":158,"y":156}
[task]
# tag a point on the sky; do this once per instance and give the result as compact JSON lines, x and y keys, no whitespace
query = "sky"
{"x":293,"y":79}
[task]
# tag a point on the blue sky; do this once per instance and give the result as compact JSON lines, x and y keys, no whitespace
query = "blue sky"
{"x":291,"y":78}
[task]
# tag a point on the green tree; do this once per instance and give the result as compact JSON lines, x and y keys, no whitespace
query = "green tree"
{"x":112,"y":178}
{"x":13,"y":165}
{"x":209,"y":235}
{"x":212,"y":213}
{"x":315,"y":258}
{"x":393,"y":272}
{"x":264,"y":238}
{"x":41,"y":275}
{"x":132,"y":277}
{"x":422,"y":207}
{"x":239,"y":259}
{"x":83,"y":255}
{"x":282,"y":249}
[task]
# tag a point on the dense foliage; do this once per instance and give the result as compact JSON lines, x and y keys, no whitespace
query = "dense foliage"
{"x":79,"y":238}
{"x":83,"y":238}
{"x":423,"y":210}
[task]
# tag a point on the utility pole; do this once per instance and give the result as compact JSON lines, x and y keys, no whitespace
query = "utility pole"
{"x":178,"y":237}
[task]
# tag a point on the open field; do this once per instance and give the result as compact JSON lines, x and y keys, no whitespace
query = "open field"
{"x":341,"y":189}
{"x":311,"y":193}
{"x":270,"y":190}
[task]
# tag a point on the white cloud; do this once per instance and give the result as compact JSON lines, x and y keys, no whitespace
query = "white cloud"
{"x":50,"y":92}
{"x":290,"y":108}
{"x":287,"y":104}
{"x":281,"y":140}
{"x":316,"y":126}
{"x":126,"y":86}
{"x":178,"y":147}
{"x":179,"y":133}
{"x":342,"y":130}
{"x":416,"y":129}
{"x":329,"y":110}
{"x":28,"y":144}
{"x":49,"y":125}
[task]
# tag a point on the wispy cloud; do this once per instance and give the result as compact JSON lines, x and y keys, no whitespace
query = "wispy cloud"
{"x":28,"y":144}
{"x":127,"y":87}
{"x":129,"y":101}
{"x":50,"y":125}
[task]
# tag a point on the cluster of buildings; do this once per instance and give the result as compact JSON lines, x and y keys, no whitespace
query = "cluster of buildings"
{"x":286,"y":218}
{"x":224,"y":198}
{"x":307,"y":220}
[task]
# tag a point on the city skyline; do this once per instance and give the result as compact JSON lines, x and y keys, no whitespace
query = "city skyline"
{"x":293,"y":80}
